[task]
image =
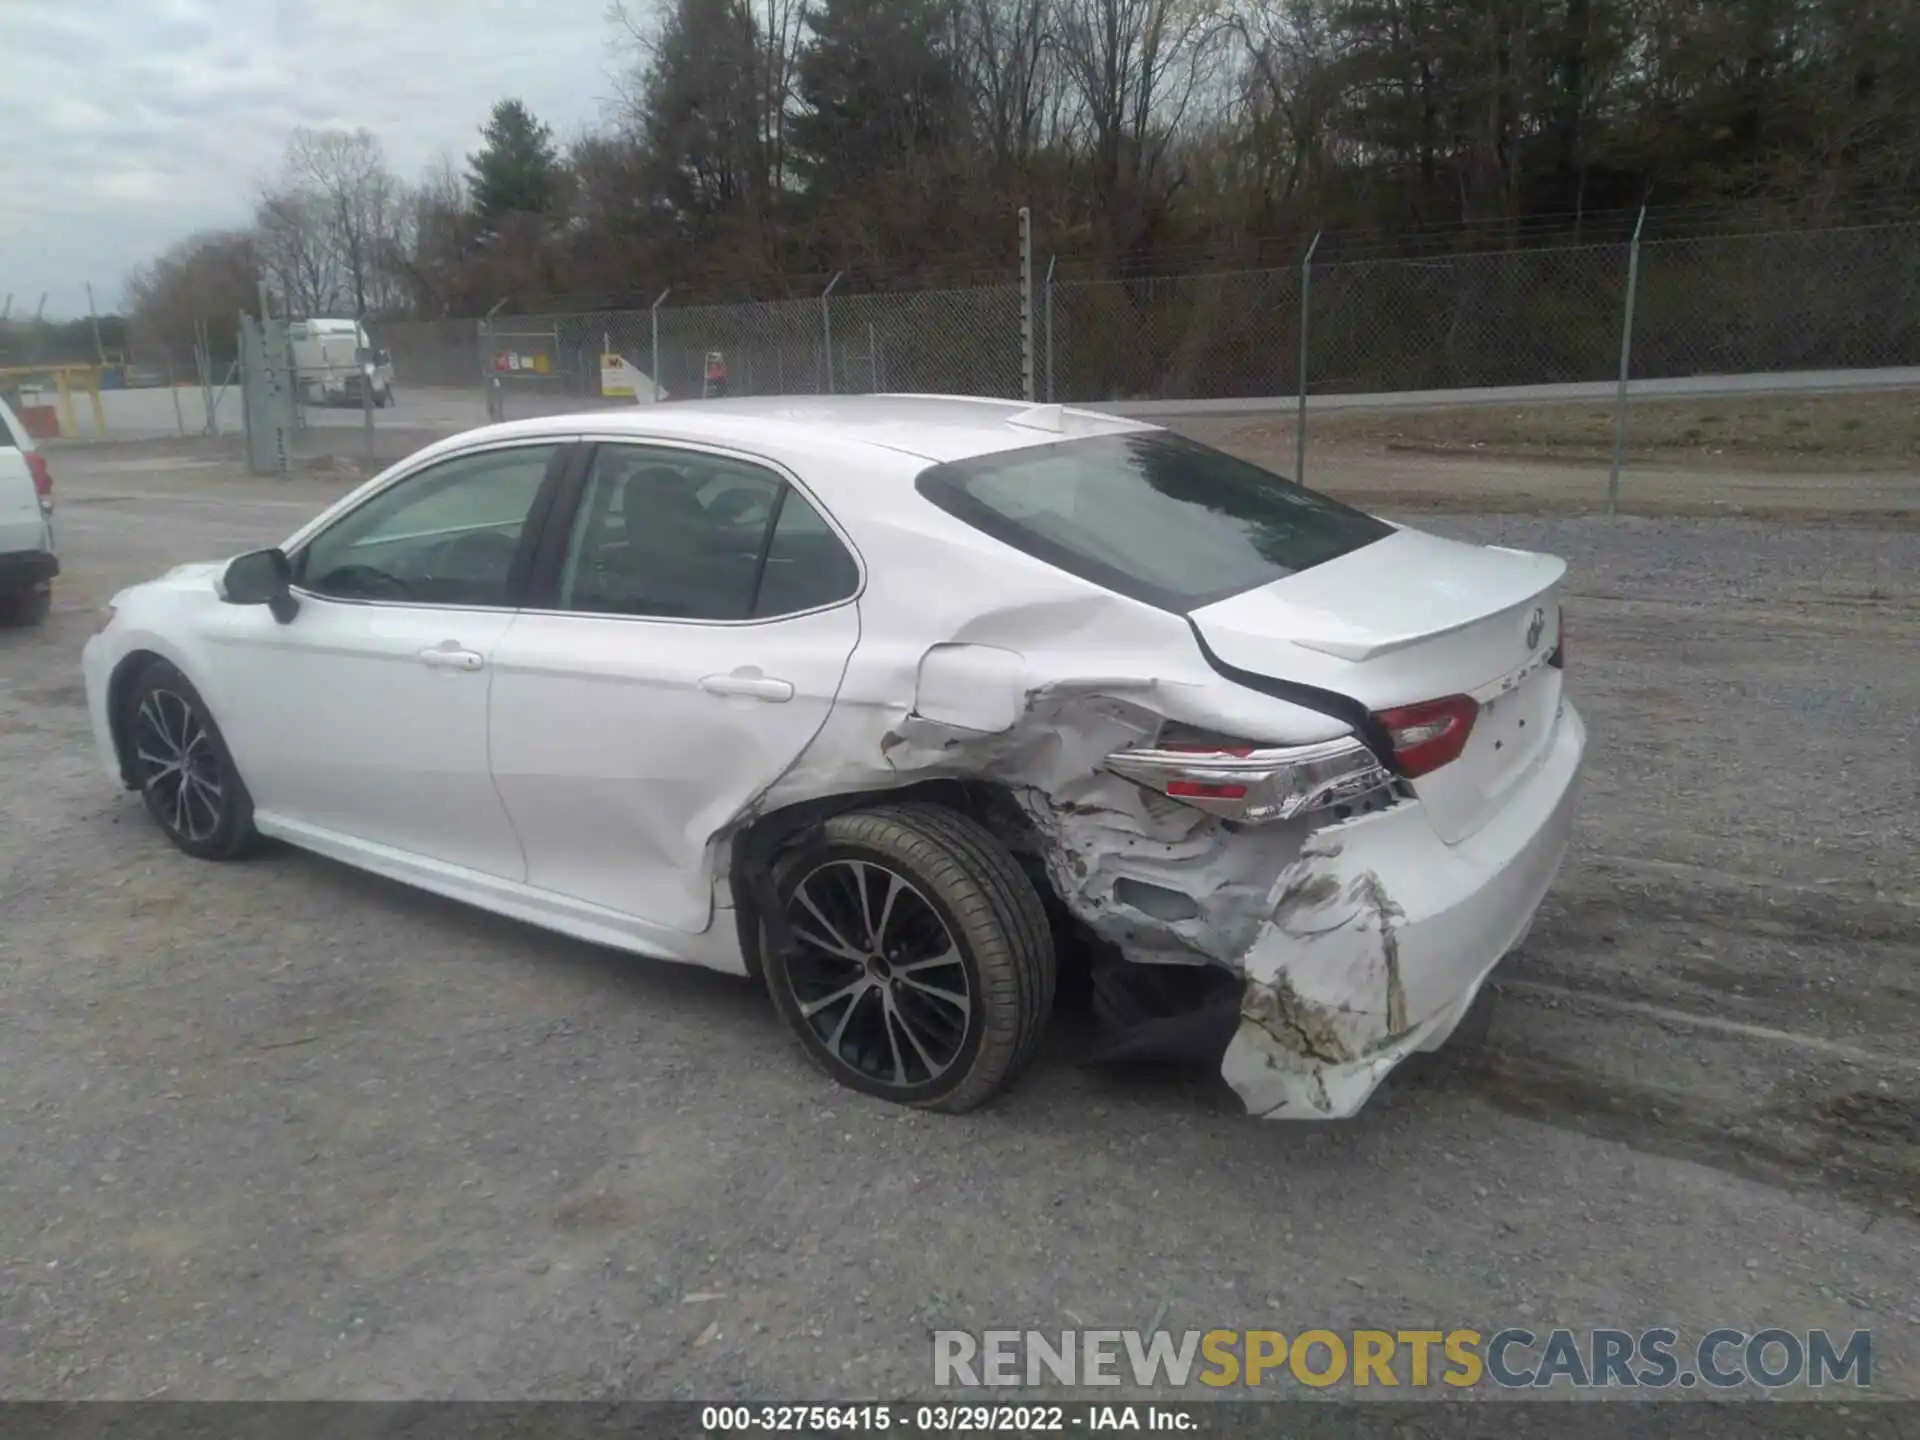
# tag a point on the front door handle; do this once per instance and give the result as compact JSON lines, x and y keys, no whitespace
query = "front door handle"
{"x":451,"y":657}
{"x":750,"y":683}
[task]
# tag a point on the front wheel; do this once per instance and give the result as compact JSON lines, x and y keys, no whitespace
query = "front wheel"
{"x":183,"y":769}
{"x":923,"y":966}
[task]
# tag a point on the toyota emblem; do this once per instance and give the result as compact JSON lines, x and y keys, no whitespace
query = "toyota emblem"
{"x":1535,"y":626}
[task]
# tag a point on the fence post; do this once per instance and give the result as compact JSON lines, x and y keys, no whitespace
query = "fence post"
{"x":1306,"y":308}
{"x":489,"y":377}
{"x":1047,"y":291}
{"x":826,"y":325}
{"x":365,"y":363}
{"x":659,"y":391}
{"x":249,"y":393}
{"x":203,"y":363}
{"x":173,"y":388}
{"x":873,"y":361}
{"x":1626,"y":359}
{"x":1026,"y":304}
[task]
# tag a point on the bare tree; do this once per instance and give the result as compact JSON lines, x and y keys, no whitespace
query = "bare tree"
{"x":360,"y":198}
{"x":1288,"y":94}
{"x":782,"y":35}
{"x":295,"y":244}
{"x":1008,"y":53}
{"x":1135,"y":66}
{"x":437,"y":232}
{"x":209,"y":277}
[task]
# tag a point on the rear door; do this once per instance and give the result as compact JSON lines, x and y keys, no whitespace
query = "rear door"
{"x":683,"y":643}
{"x":23,"y":524}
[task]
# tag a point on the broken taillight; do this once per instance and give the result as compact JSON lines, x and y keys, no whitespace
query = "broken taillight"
{"x":1254,"y":784}
{"x":1431,"y":734}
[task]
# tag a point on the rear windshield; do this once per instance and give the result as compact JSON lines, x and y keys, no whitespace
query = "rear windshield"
{"x":1154,"y":516}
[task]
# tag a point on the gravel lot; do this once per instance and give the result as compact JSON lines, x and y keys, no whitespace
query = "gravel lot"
{"x":279,"y":1129}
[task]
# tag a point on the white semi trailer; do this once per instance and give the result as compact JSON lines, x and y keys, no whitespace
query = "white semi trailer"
{"x":330,"y":360}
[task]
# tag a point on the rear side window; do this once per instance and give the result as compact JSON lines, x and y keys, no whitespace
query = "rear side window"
{"x":681,"y":535}
{"x":807,"y":566}
{"x":1154,"y":516}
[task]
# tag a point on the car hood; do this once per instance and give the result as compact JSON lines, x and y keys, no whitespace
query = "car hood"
{"x":198,"y":575}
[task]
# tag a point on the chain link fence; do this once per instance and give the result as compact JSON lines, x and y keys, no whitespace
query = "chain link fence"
{"x":1839,"y":299}
{"x":1714,"y":305}
{"x":1793,"y":300}
{"x":1521,"y":317}
{"x":1180,"y":337}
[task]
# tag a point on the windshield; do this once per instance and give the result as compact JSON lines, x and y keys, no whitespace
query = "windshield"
{"x":1152,"y":515}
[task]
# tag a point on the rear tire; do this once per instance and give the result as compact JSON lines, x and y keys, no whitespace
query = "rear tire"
{"x":27,"y":607}
{"x":925,"y":969}
{"x":183,"y":768}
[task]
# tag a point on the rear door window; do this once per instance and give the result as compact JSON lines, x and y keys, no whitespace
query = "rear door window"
{"x":676,"y":534}
{"x":1154,"y":516}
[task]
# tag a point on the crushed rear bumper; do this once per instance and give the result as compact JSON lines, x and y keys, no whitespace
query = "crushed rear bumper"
{"x":1380,"y":936}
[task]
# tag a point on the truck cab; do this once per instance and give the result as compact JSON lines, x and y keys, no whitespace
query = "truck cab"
{"x":331,"y":360}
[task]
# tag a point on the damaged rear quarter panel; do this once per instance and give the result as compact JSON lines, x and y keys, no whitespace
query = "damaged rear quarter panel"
{"x":1032,"y":690}
{"x":981,"y":663}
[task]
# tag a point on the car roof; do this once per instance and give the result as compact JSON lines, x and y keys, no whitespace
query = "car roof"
{"x":935,"y":428}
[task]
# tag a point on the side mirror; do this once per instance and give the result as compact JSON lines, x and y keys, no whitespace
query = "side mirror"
{"x":261,"y":577}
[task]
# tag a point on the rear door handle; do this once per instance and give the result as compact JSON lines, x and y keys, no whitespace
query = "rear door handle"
{"x":445,"y":657}
{"x":750,"y":683}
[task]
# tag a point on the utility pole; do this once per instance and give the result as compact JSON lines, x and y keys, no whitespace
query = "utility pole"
{"x":93,"y":315}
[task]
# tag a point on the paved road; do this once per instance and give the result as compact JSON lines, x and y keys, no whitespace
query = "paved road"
{"x":1785,"y":382}
{"x":150,"y":414}
{"x":280,"y":1129}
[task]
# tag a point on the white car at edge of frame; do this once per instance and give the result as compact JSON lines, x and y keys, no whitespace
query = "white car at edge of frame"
{"x":901,"y":704}
{"x":27,"y":560}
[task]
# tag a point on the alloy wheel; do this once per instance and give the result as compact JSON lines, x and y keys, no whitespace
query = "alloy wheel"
{"x":876,"y":974}
{"x":178,"y":766}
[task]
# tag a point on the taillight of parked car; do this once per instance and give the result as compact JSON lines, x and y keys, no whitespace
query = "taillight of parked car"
{"x":42,"y":480}
{"x":1252,"y":784}
{"x":1431,"y":734}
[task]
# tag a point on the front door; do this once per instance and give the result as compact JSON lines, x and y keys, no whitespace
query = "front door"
{"x":365,"y":717}
{"x":678,"y":652}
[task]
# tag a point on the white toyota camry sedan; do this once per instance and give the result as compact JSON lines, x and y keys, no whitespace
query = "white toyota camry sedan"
{"x":905,"y":705}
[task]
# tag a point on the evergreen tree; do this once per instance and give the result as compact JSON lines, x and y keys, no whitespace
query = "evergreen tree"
{"x":703,"y":117}
{"x":517,"y":171}
{"x":881,"y":87}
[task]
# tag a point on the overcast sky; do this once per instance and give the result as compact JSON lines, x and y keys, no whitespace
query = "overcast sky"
{"x":127,"y":124}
